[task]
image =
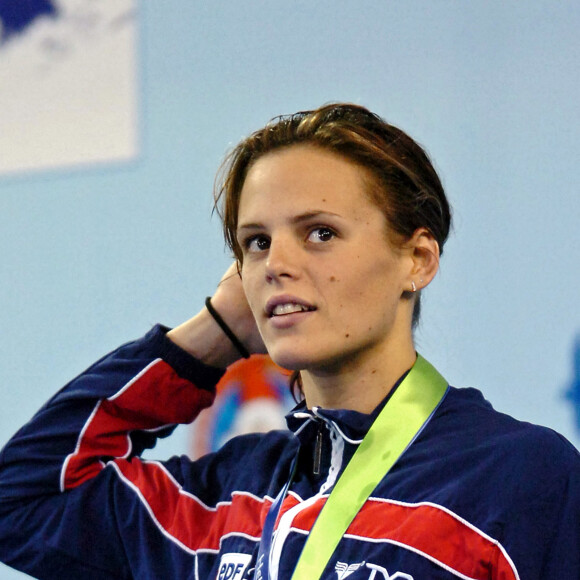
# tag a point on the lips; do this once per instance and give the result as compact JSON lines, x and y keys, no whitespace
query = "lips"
{"x":285,"y":305}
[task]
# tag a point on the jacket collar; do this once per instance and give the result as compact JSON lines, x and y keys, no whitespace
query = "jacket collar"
{"x":352,"y":425}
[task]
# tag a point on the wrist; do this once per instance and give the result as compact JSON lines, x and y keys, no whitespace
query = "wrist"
{"x":237,"y":343}
{"x":202,"y":337}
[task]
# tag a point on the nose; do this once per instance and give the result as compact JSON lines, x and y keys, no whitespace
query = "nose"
{"x":282,"y":261}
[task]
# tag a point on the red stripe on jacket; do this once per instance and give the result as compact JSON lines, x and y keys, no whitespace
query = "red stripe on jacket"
{"x":428,"y":529}
{"x":154,"y":398}
{"x":183,"y":517}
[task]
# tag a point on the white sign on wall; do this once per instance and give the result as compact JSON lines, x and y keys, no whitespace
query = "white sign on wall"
{"x":68,"y":83}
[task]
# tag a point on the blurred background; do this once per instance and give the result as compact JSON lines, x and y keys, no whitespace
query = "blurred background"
{"x":116,"y":114}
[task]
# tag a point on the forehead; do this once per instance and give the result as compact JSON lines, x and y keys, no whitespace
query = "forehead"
{"x":304,"y":174}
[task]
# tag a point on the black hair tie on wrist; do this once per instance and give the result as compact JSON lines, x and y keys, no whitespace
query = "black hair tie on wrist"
{"x":227,"y":330}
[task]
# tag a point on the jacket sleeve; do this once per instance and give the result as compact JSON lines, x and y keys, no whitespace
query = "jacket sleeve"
{"x":109,"y":414}
{"x":542,"y":532}
{"x":562,"y":558}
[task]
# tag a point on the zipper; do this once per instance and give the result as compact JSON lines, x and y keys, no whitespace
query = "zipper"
{"x":318,"y":450}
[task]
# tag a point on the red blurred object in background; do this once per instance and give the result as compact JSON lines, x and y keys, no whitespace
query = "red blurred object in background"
{"x":253,"y":396}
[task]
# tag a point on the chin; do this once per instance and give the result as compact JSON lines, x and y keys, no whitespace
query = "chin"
{"x":289,"y":363}
{"x":289,"y":359}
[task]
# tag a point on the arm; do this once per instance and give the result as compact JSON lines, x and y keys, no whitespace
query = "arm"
{"x":112,"y":411}
{"x":542,"y":529}
{"x":562,"y":558}
{"x":59,"y":503}
{"x":202,"y":337}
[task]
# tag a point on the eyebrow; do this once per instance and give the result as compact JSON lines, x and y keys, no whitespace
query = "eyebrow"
{"x":303,"y":217}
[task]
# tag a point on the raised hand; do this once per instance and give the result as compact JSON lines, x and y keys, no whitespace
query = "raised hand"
{"x":202,"y":336}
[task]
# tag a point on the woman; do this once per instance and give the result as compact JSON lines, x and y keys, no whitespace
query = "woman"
{"x":337,"y":221}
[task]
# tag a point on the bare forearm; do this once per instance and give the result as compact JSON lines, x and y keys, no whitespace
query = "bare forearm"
{"x":201,"y":337}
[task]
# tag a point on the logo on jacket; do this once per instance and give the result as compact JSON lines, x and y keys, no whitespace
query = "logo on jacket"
{"x":233,"y":566}
{"x":343,"y":570}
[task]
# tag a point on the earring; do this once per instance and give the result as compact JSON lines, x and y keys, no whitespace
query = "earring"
{"x":413,"y":287}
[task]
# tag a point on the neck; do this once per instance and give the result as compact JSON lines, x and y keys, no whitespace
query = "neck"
{"x":358,"y":385}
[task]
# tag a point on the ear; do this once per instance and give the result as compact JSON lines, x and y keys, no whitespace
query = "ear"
{"x":424,"y":251}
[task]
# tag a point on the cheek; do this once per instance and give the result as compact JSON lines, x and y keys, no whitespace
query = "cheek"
{"x":369,"y":280}
{"x":249,"y":286}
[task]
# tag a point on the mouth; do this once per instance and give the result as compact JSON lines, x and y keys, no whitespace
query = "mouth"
{"x":285,"y":306}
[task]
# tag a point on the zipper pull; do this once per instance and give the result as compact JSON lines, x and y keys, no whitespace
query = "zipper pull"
{"x":317,"y":452}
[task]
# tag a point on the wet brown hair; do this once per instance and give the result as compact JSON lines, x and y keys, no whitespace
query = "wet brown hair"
{"x":405,"y":187}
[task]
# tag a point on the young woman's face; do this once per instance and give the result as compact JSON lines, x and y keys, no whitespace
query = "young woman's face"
{"x":323,"y":282}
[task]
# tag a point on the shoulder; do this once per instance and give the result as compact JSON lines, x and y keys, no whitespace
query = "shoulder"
{"x":527,"y":448}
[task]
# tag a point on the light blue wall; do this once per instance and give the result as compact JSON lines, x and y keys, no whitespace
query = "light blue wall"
{"x":91,"y":258}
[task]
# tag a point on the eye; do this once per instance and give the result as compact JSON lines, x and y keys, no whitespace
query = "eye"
{"x":257,"y":243}
{"x":321,"y":234}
